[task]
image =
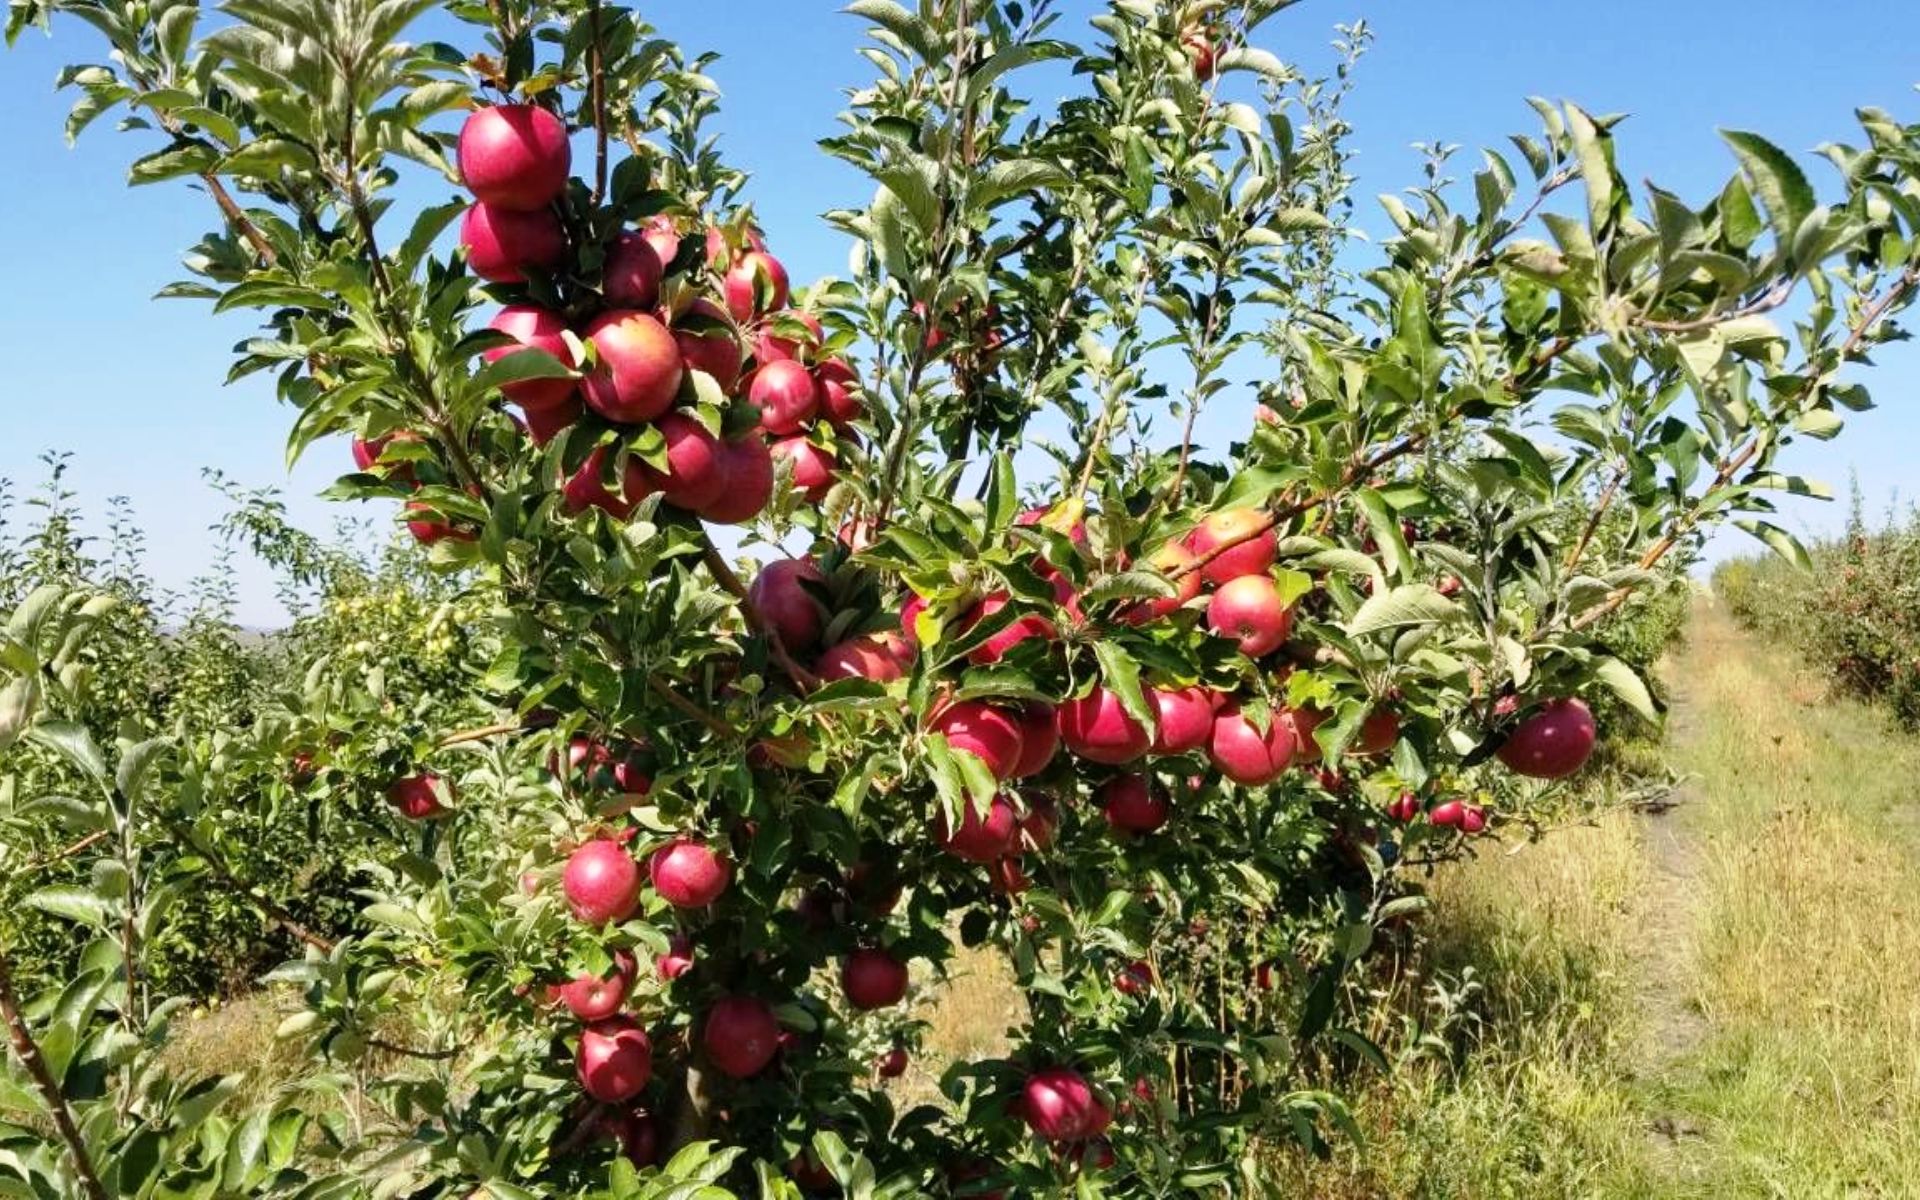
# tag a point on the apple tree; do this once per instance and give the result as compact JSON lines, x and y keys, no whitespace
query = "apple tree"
{"x":830,"y":627}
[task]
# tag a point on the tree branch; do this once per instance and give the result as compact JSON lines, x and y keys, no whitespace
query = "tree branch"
{"x":28,"y":1051}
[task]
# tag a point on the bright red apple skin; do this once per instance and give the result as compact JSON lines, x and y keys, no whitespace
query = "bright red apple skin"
{"x":986,"y":732}
{"x":714,"y":347}
{"x":1404,"y":807}
{"x":1552,"y":742}
{"x":503,"y":245}
{"x":1096,"y":727}
{"x":995,"y":648}
{"x":769,"y":346}
{"x":1251,"y":554}
{"x":662,"y":234}
{"x":1473,"y":818}
{"x":741,"y":291}
{"x":514,"y":156}
{"x":778,"y":594}
{"x":615,"y":1060}
{"x":693,"y":478}
{"x":786,"y":396}
{"x":839,"y":392}
{"x":602,"y":882}
{"x":1059,"y":1105}
{"x":1200,"y":50}
{"x":910,"y":616}
{"x":417,"y":797}
{"x":812,"y":466}
{"x":1133,"y":805}
{"x":981,"y":839}
{"x":1183,"y":718}
{"x":688,"y":874}
{"x":892,"y":1064}
{"x":1042,"y":821}
{"x":545,"y":424}
{"x":630,"y":276}
{"x":534,"y":328}
{"x":1039,"y":739}
{"x":1167,"y":560}
{"x":747,"y":467}
{"x":595,"y":997}
{"x":1243,"y":755}
{"x":1134,"y":979}
{"x":1302,"y":722}
{"x":639,"y":369}
{"x":586,"y":488}
{"x":678,"y":959}
{"x":1249,"y":610}
{"x":1447,"y":813}
{"x":740,"y":1036}
{"x":1378,"y":732}
{"x":427,"y":528}
{"x":872,"y":979}
{"x":882,"y":657}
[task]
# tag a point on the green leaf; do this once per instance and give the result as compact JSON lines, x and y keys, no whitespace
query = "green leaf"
{"x":1410,"y":604}
{"x":72,"y":742}
{"x":1632,"y":690}
{"x":75,"y":903}
{"x":1777,"y":180}
{"x":1779,"y":541}
{"x":1121,"y":673}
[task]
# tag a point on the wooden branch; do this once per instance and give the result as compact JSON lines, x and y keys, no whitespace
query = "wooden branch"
{"x":687,"y":707}
{"x":483,"y":732}
{"x":66,"y":852}
{"x":28,"y":1051}
{"x":268,"y":907}
{"x":410,"y":1052}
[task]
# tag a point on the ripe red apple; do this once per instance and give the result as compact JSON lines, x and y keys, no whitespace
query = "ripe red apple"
{"x":779,"y":595}
{"x":708,"y":342}
{"x":995,"y":648}
{"x":639,"y":1137}
{"x":418,"y":797}
{"x":1473,"y":818}
{"x":1243,"y":754}
{"x":740,"y":1036}
{"x":1096,"y":727}
{"x":910,"y":615}
{"x":367,"y":453}
{"x":535,"y":328}
{"x":812,"y":466}
{"x":688,"y":874}
{"x":678,"y":959}
{"x":1378,"y":732}
{"x":786,"y":396}
{"x":769,"y":346}
{"x":1249,"y":610}
{"x":892,"y":1064}
{"x":597,"y":997}
{"x":1252,"y":547}
{"x":515,"y":156}
{"x":1183,"y":718}
{"x":1039,"y":738}
{"x":662,"y":234}
{"x":1201,"y":52}
{"x":747,"y":468}
{"x":980,"y":839}
{"x":602,"y":882}
{"x":723,"y":244}
{"x":615,"y":1060}
{"x":839,"y":392}
{"x":988,"y":733}
{"x":1133,"y":805}
{"x":881,"y":657}
{"x":1041,"y":822}
{"x":756,"y":283}
{"x":545,"y":424}
{"x":586,"y":488}
{"x":630,"y":277}
{"x":503,"y":245}
{"x":873,"y":979}
{"x":1447,"y":813}
{"x":1552,"y":742}
{"x":693,"y":478}
{"x":639,"y":367}
{"x":1059,"y":1105}
{"x":1302,"y":722}
{"x":1135,"y":979}
{"x":427,"y":527}
{"x":1167,"y":560}
{"x":1404,"y":807}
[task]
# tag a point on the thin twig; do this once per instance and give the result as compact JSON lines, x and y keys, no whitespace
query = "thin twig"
{"x":410,"y":1052}
{"x":65,"y":852}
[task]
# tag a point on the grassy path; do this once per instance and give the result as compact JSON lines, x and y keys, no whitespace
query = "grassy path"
{"x":1718,"y":1000}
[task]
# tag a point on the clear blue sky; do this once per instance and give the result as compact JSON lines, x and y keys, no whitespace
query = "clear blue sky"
{"x":133,"y":386}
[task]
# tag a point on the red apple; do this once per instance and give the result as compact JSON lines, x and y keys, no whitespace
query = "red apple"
{"x":1183,"y":718}
{"x":639,"y":367}
{"x":980,"y":729}
{"x":1404,"y":807}
{"x":1134,"y":979}
{"x":1249,"y":610}
{"x":515,"y":156}
{"x":1552,"y":742}
{"x":1447,"y":813}
{"x":662,"y":234}
{"x":756,"y":283}
{"x":1246,"y":756}
{"x":839,"y":392}
{"x":981,"y":839}
{"x":892,"y":1064}
{"x":693,"y":478}
{"x":707,"y":341}
{"x":1473,"y":818}
{"x":602,"y":882}
{"x":1378,"y":732}
{"x":615,"y":1060}
{"x":881,"y":657}
{"x":1247,"y":532}
{"x":1133,"y":805}
{"x":1167,"y":560}
{"x":630,"y":277}
{"x":740,"y":1036}
{"x":502,"y":245}
{"x":780,"y":597}
{"x":418,"y":797}
{"x":1201,"y":52}
{"x":746,"y":466}
{"x":597,"y":997}
{"x":995,"y":648}
{"x":678,"y":959}
{"x":812,"y":466}
{"x":639,"y":1137}
{"x":786,"y":396}
{"x":1302,"y":722}
{"x":873,"y":979}
{"x":1041,"y":822}
{"x":427,"y":527}
{"x":1059,"y":1105}
{"x":1039,"y":739}
{"x":1096,"y":727}
{"x":587,"y":487}
{"x":545,"y":424}
{"x":910,"y":615}
{"x":535,"y":328}
{"x":688,"y":874}
{"x":769,"y":346}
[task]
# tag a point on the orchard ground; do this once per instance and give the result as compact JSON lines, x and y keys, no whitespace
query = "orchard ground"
{"x":1711,"y":998}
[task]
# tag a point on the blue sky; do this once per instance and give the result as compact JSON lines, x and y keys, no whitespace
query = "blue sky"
{"x":89,"y":363}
